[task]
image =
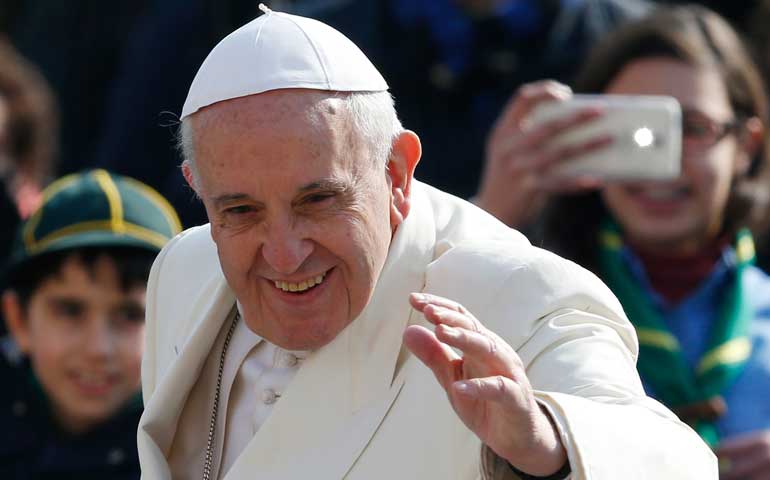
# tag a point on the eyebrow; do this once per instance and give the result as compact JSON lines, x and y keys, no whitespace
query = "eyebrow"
{"x":65,"y":300}
{"x":329,"y":184}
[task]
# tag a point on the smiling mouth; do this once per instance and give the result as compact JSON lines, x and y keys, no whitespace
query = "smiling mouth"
{"x":302,"y":286}
{"x":94,"y":383}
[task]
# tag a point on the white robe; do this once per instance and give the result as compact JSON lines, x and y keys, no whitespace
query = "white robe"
{"x":362,"y":407}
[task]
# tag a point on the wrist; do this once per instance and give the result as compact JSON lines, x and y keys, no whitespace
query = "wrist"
{"x":561,"y":474}
{"x":544,"y":454}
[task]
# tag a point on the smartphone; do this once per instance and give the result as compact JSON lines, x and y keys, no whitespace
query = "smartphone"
{"x":646,"y":134}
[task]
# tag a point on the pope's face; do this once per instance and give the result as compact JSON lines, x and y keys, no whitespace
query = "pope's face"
{"x":301,"y":214}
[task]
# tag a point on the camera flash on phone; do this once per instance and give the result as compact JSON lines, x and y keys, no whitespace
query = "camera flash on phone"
{"x":644,"y":137}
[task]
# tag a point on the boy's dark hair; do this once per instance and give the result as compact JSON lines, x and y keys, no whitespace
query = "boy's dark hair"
{"x":132,"y":264}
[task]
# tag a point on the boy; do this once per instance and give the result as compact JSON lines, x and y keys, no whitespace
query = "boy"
{"x":74,"y":305}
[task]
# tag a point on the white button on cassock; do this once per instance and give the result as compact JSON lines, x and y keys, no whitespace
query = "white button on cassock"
{"x":269,"y":396}
{"x":290,"y":359}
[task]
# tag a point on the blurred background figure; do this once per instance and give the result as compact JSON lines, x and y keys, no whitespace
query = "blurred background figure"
{"x":77,"y":45}
{"x":74,"y":303}
{"x":122,"y":69}
{"x":678,"y":254}
{"x":28,"y":138}
{"x":759,"y":34}
{"x":452,"y":64}
{"x":28,"y":123}
{"x":737,"y":12}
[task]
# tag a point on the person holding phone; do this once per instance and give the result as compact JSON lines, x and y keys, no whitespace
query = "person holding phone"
{"x":678,"y":253}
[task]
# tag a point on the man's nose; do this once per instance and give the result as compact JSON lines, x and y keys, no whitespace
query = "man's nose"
{"x":285,"y":248}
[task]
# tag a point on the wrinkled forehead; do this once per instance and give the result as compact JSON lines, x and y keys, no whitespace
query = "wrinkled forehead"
{"x":276,"y":126}
{"x":299,"y":107}
{"x":319,"y":121}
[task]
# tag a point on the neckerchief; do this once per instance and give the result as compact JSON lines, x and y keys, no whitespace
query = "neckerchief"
{"x":661,"y":362}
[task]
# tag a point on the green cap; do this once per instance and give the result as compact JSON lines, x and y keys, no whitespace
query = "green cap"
{"x":95,"y":209}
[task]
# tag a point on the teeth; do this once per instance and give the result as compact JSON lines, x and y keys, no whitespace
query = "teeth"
{"x":301,"y":286}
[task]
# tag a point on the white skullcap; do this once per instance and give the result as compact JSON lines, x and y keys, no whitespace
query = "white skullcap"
{"x":276,"y":51}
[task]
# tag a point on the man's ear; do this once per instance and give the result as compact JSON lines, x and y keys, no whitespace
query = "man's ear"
{"x":188,"y":176}
{"x":14,"y":315}
{"x":751,"y":139}
{"x":403,"y":159}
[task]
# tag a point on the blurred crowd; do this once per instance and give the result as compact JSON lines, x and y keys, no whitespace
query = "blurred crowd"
{"x":90,"y":94}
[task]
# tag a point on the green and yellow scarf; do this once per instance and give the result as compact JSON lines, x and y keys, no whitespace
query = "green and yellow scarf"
{"x":661,"y":361}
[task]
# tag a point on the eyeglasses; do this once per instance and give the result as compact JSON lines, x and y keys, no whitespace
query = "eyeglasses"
{"x":699,"y":132}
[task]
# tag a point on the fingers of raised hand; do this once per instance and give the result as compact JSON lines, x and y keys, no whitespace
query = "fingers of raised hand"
{"x":481,"y":347}
{"x":442,"y":311}
{"x":484,"y":353}
{"x":420,"y":301}
{"x":458,"y":328}
{"x":445,"y":364}
{"x":497,"y":388}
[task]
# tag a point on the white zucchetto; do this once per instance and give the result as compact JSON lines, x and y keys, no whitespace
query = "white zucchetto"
{"x":277,"y":51}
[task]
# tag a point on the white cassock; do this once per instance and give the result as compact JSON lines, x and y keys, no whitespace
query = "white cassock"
{"x":362,"y":407}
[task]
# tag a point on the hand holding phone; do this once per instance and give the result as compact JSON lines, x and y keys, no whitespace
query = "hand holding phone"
{"x":517,"y":178}
{"x":549,"y":141}
{"x":645,"y":135}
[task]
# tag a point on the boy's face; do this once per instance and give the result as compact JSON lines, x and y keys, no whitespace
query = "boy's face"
{"x":84,"y":337}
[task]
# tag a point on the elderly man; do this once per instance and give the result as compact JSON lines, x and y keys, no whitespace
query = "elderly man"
{"x":289,"y":338}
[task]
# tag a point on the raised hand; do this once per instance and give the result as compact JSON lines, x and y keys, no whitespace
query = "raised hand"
{"x":487,"y":385}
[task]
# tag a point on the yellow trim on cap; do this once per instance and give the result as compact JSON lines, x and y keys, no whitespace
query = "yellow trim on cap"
{"x":147,"y":235}
{"x":113,"y":199}
{"x":52,"y":189}
{"x":101,"y":226}
{"x":656,"y":338}
{"x":168,"y":211}
{"x":734,"y":351}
